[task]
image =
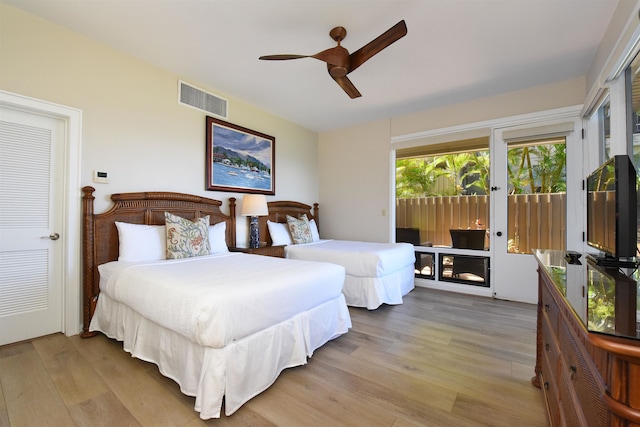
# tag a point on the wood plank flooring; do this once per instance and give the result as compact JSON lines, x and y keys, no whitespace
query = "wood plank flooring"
{"x":440,"y":359}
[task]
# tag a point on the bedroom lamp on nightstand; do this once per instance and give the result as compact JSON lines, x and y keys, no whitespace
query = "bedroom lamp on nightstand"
{"x":254,"y":205}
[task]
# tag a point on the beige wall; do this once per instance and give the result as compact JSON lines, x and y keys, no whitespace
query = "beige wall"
{"x":355,"y":171}
{"x":135,"y":130}
{"x":354,"y":182}
{"x":133,"y":126}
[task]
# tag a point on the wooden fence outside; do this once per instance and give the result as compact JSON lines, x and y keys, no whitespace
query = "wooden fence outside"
{"x":536,"y":220}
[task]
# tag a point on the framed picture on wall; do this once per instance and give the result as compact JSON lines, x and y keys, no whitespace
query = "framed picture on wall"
{"x":239,"y":159}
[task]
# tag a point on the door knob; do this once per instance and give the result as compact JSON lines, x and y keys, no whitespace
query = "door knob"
{"x":499,"y":233}
{"x":54,"y":236}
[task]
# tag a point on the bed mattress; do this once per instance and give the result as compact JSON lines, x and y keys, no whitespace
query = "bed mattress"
{"x":360,"y":259}
{"x":218,"y":299}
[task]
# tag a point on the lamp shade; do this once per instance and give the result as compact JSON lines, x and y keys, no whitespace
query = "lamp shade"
{"x":254,"y":205}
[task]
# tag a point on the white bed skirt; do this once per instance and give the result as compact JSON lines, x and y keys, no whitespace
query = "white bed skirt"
{"x":240,"y":370}
{"x":371,"y":292}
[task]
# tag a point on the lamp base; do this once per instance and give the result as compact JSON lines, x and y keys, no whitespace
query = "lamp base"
{"x":254,"y":233}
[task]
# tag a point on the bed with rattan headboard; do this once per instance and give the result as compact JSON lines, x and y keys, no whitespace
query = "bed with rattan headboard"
{"x":278,"y":211}
{"x":231,"y":321}
{"x":376,"y":273}
{"x":100,"y":236}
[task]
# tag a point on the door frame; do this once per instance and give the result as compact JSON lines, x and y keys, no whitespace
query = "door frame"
{"x":71,"y":253}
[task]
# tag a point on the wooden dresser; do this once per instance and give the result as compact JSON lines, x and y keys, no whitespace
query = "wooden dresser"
{"x":588,"y":345}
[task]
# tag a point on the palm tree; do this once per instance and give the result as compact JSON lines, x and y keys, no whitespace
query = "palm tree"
{"x":454,"y":166}
{"x":519,"y":170}
{"x":416,"y":177}
{"x":537,"y":169}
{"x":478,"y":172}
{"x":550,"y":170}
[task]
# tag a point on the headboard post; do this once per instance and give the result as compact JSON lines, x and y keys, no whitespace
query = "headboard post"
{"x":316,"y":208}
{"x":232,"y":214}
{"x":89,"y":298}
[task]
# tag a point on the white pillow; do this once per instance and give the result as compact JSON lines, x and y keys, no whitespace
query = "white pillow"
{"x":218,"y":238}
{"x":140,"y":242}
{"x":279,"y":233}
{"x":315,"y":235}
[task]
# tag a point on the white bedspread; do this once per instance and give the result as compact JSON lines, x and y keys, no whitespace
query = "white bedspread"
{"x":361,"y":259}
{"x":214,"y":300}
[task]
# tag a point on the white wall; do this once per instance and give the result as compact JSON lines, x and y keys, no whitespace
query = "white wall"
{"x":133,"y":126}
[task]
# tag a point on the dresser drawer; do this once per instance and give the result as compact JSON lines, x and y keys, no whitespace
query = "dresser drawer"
{"x":579,"y":373}
{"x":571,"y":412}
{"x":550,"y":393}
{"x":550,"y":308}
{"x":550,"y":350}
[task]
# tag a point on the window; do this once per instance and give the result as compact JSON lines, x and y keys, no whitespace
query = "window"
{"x":633,"y":107}
{"x":536,"y":174}
{"x":604,"y":119}
{"x":441,"y":187}
{"x":632,"y":90}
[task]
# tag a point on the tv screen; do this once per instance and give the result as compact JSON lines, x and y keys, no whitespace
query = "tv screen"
{"x":611,"y":208}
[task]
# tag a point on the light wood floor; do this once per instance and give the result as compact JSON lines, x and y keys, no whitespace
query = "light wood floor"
{"x":440,"y":359}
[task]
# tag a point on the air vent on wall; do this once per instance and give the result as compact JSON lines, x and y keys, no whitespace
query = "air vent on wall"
{"x":205,"y":101}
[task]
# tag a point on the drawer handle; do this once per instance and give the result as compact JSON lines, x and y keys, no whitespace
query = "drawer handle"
{"x":546,"y":308}
{"x":546,"y":346}
{"x":546,"y":386}
{"x":574,"y":371}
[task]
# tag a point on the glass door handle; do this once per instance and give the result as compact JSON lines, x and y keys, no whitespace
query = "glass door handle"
{"x":499,"y":233}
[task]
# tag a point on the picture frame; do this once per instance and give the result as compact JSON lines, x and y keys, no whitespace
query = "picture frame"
{"x":239,"y":159}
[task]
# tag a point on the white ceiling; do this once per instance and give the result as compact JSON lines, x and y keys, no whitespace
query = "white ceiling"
{"x":455,"y":50}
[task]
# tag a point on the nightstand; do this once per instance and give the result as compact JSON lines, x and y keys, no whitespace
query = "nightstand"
{"x":275,"y":251}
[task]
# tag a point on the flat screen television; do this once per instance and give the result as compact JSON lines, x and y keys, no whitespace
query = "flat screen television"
{"x":612,"y":222}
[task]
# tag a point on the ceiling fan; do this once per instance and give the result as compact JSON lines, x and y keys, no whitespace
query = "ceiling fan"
{"x":340,"y":62}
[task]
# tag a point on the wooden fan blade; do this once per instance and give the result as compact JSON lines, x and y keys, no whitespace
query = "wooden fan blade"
{"x":347,"y":86}
{"x":335,"y":56}
{"x":390,"y":36}
{"x":282,"y":57}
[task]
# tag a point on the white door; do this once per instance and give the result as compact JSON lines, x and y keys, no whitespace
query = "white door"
{"x":530,"y":205}
{"x":31,"y":197}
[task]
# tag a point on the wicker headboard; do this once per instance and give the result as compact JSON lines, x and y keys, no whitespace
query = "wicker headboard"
{"x":100,"y":236}
{"x":278,"y":212}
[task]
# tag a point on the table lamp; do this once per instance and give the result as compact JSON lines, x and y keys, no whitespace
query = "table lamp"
{"x":254,"y":205}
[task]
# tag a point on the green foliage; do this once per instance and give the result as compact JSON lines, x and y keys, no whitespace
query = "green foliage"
{"x":444,"y":175}
{"x":537,"y":169}
{"x":478,"y":173}
{"x":601,"y":303}
{"x":530,"y":169}
{"x":416,"y":177}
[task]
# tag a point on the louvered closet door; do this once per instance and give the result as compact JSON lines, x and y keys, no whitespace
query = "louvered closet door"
{"x":30,"y":218}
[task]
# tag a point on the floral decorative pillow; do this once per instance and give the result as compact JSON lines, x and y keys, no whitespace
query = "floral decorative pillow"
{"x":186,"y":238}
{"x":299,"y":229}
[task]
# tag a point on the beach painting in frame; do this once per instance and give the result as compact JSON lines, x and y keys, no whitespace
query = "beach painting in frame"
{"x":239,"y":159}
